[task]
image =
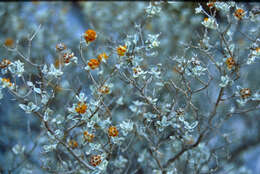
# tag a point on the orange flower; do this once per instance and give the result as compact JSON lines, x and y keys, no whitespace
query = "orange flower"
{"x":102,"y":56}
{"x":95,"y":160}
{"x":88,"y":137}
{"x":9,"y":42}
{"x":90,"y":35}
{"x":121,"y":50}
{"x":245,"y":93}
{"x":230,"y":62}
{"x":81,"y":108}
{"x":4,"y":63}
{"x":112,"y":131}
{"x":211,"y":3}
{"x":73,"y":144}
{"x":206,"y":19}
{"x":93,"y":63}
{"x":6,"y":82}
{"x":239,"y":13}
{"x":104,"y":89}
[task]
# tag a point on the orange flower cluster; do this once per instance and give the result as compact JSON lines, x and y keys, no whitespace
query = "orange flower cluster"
{"x":102,"y":56}
{"x":245,"y":93}
{"x":239,"y":13}
{"x":230,"y":62}
{"x":4,"y":63}
{"x":67,"y":56}
{"x":112,"y":131}
{"x":9,"y":42}
{"x":94,"y":63}
{"x":104,"y":89}
{"x":95,"y":160}
{"x":211,"y":3}
{"x":121,"y":50}
{"x":206,"y":19}
{"x":81,"y":108}
{"x":88,"y":137}
{"x":7,"y":82}
{"x":73,"y":144}
{"x":257,"y":49}
{"x":90,"y":35}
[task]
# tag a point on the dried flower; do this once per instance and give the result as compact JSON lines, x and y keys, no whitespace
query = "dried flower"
{"x":6,"y":82}
{"x":73,"y":144}
{"x":88,"y":136}
{"x":121,"y":50}
{"x":90,"y":35}
{"x":93,"y":63}
{"x":230,"y":62}
{"x":112,"y":131}
{"x":67,"y":56}
{"x":102,"y":56}
{"x":211,"y":3}
{"x":104,"y":89}
{"x":4,"y":63}
{"x":95,"y":160}
{"x":239,"y":13}
{"x":9,"y":42}
{"x":81,"y":108}
{"x":245,"y":93}
{"x":256,"y":51}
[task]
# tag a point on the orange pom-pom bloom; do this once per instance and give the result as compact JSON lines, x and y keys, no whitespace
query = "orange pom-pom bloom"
{"x":7,"y":82}
{"x":121,"y":50}
{"x":4,"y":63}
{"x":93,"y":63}
{"x":88,"y":136}
{"x":245,"y":93}
{"x":95,"y":160}
{"x":90,"y":35}
{"x":112,"y":131}
{"x":81,"y":108}
{"x":73,"y":144}
{"x":104,"y":89}
{"x":9,"y":42}
{"x":230,"y":62}
{"x":102,"y":56}
{"x":239,"y":13}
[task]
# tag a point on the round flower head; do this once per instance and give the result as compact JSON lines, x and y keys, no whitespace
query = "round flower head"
{"x":9,"y":42}
{"x":230,"y":62}
{"x":88,"y":136}
{"x":102,"y":56}
{"x":245,"y":93}
{"x":121,"y":50}
{"x":81,"y":108}
{"x":73,"y":144}
{"x":6,"y":82}
{"x":93,"y":63}
{"x":112,"y":131}
{"x":4,"y":63}
{"x":95,"y":160}
{"x":90,"y":35}
{"x":104,"y":89}
{"x":211,"y":3}
{"x":239,"y":13}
